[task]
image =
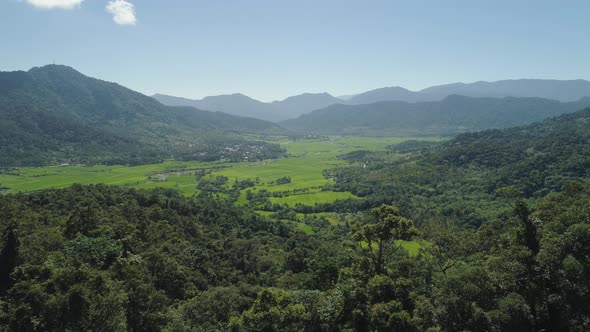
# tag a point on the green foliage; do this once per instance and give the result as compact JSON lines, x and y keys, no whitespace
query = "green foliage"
{"x":376,"y":237}
{"x":414,"y":146}
{"x":562,"y":261}
{"x":533,"y":160}
{"x":97,"y":252}
{"x":476,"y":177}
{"x":212,"y":309}
{"x":8,"y":257}
{"x":107,"y":258}
{"x":284,"y":180}
{"x":274,"y":310}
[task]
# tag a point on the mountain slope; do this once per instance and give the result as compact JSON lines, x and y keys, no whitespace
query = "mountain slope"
{"x":458,"y":179}
{"x":452,"y":115}
{"x":54,"y":114}
{"x":560,"y":139}
{"x":535,"y":159}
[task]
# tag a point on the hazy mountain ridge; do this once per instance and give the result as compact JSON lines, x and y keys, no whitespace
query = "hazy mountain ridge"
{"x":385,"y":94}
{"x":242,"y":105}
{"x":561,"y":90}
{"x":304,"y":103}
{"x":292,"y":107}
{"x":452,"y":115}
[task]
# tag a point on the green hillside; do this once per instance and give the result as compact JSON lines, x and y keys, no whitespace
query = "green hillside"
{"x":54,"y":114}
{"x":458,"y":180}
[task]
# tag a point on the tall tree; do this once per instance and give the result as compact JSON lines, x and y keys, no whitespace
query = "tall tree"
{"x":8,"y":257}
{"x":377,"y":235}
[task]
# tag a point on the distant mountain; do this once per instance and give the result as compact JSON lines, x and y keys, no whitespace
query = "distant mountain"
{"x":53,"y":114}
{"x":236,"y":104}
{"x":345,"y":97}
{"x":239,"y":104}
{"x":305,"y":103}
{"x":452,"y":115}
{"x":292,"y":107}
{"x":562,"y":90}
{"x":385,"y":94}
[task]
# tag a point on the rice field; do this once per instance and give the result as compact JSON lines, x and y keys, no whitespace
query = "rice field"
{"x":307,"y":159}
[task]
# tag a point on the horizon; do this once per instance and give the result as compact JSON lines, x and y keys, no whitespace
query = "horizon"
{"x":261,"y":48}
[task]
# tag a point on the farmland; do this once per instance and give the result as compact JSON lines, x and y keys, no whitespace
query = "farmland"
{"x":307,"y":159}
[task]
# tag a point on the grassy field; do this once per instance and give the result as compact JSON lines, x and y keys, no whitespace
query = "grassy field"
{"x":412,"y":247}
{"x":313,"y":198}
{"x":307,"y":159}
{"x":40,"y":178}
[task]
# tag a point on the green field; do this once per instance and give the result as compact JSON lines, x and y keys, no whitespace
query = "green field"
{"x":412,"y":247}
{"x":307,"y":159}
{"x":313,"y":198}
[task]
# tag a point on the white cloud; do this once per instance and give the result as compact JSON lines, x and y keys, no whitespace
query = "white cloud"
{"x":123,"y":12}
{"x":50,"y":4}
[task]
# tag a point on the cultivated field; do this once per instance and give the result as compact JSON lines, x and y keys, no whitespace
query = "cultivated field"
{"x":307,"y":159}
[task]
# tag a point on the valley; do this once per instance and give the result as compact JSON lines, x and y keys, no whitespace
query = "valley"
{"x":120,"y":213}
{"x":294,"y":166}
{"x":304,"y":166}
{"x":300,"y":224}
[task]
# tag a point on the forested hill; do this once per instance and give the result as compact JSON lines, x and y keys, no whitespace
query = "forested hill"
{"x":452,"y":115}
{"x":54,"y":114}
{"x":536,"y":158}
{"x":466,"y":179}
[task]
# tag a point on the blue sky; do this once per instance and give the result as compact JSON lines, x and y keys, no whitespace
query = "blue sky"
{"x":271,"y":49}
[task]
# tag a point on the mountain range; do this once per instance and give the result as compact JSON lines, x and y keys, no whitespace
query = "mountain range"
{"x":53,"y":114}
{"x":242,"y":105}
{"x":292,"y":107}
{"x":453,"y":114}
{"x":561,"y":90}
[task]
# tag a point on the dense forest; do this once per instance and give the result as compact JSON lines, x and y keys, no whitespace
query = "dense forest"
{"x":459,"y":180}
{"x":111,"y":259}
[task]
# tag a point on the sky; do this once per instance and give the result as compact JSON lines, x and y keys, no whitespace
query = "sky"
{"x":272,"y":49}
